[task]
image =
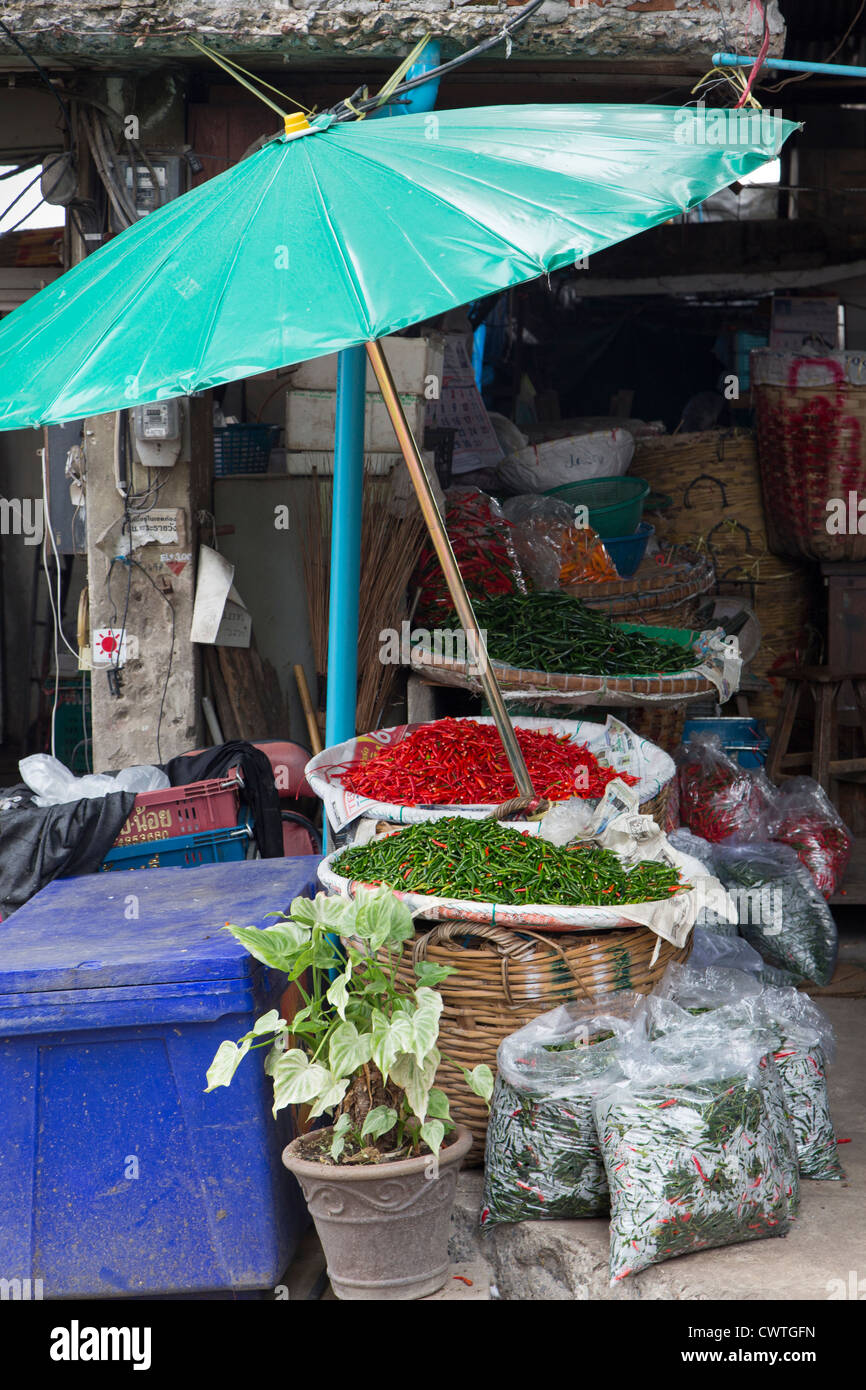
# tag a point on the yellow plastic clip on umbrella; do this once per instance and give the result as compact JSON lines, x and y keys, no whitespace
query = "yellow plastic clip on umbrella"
{"x":335,"y":234}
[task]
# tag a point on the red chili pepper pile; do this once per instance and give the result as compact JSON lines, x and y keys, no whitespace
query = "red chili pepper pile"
{"x":455,"y":762}
{"x":823,"y":846}
{"x":480,"y":539}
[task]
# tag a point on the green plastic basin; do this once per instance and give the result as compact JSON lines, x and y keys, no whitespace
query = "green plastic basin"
{"x":615,"y":504}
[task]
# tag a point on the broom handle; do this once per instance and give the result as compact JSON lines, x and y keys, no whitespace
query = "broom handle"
{"x":309,"y":712}
{"x":453,"y":578}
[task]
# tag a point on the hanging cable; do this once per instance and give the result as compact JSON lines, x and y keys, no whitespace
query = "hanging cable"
{"x":762,"y":53}
{"x":359,"y":103}
{"x":17,"y":199}
{"x":802,"y":76}
{"x":350,"y":108}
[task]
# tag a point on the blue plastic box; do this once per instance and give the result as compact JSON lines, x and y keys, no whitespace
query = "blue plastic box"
{"x":744,"y":740}
{"x":223,"y":846}
{"x":118,"y":1174}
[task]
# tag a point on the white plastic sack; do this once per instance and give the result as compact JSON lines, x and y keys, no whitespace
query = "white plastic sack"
{"x":538,"y":467}
{"x":53,"y":783}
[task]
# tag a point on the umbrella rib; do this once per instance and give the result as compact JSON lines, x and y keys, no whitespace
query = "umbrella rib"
{"x":266,"y":188}
{"x":649,"y":200}
{"x":488,"y":231}
{"x":348,"y":268}
{"x":109,"y":328}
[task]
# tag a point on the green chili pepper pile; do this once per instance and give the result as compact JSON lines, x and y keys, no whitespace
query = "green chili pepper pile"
{"x":460,"y":858}
{"x":690,"y":1166}
{"x":804,"y":1082}
{"x":543,"y":1159}
{"x":781,"y":912}
{"x":556,"y":633}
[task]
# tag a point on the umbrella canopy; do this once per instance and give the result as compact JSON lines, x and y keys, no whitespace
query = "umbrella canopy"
{"x":333,"y":234}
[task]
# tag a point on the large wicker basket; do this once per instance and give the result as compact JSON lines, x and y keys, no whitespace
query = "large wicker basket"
{"x":504,"y":979}
{"x":714,"y":479}
{"x":811,"y":426}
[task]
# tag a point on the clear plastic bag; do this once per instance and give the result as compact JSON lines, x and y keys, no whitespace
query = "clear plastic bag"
{"x":541,"y":534}
{"x":695,"y":1145}
{"x":717,"y":797}
{"x":53,"y":784}
{"x":542,"y":1160}
{"x":781,"y":912}
{"x":804,"y":817}
{"x":708,"y":919}
{"x":481,"y":540}
{"x":803,"y":1043}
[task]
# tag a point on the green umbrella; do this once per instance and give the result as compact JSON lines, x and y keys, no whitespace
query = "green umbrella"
{"x":335,"y":234}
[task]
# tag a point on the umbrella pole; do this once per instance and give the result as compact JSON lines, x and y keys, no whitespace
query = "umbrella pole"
{"x":454,"y":579}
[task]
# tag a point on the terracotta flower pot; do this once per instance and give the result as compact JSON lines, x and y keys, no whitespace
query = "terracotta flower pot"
{"x":384,"y":1227}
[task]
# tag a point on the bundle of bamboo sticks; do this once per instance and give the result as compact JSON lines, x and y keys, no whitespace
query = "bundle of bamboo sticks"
{"x":391,"y":540}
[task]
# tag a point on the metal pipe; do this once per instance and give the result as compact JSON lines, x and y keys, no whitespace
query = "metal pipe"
{"x":737,"y":60}
{"x":346,"y":547}
{"x":454,"y":579}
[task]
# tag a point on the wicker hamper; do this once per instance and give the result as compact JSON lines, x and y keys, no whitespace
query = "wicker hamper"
{"x":811,"y":427}
{"x":503,"y":979}
{"x":714,"y":478}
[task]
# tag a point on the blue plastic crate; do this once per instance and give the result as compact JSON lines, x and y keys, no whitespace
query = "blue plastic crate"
{"x":243,"y":448}
{"x":182,"y":851}
{"x":118,"y":1174}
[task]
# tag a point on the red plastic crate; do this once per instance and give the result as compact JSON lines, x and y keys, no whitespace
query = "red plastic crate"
{"x":189,"y":810}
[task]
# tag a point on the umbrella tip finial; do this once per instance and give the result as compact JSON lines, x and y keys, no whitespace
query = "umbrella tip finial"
{"x":295,"y":122}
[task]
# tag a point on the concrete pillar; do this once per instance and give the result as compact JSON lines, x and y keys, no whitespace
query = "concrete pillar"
{"x":160,"y":584}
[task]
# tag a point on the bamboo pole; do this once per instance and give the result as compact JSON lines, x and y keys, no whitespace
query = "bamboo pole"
{"x":309,"y":712}
{"x":454,"y":579}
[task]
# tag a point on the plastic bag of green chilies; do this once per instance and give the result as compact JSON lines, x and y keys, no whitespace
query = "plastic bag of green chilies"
{"x":542,"y":1160}
{"x":805,"y":1046}
{"x":692,"y":1149}
{"x":802,"y":1045}
{"x":701,"y":849}
{"x":782,"y":914}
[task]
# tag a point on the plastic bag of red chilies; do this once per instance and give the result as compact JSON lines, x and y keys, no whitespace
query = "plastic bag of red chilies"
{"x":718,"y":798}
{"x":803,"y":817}
{"x":481,"y":540}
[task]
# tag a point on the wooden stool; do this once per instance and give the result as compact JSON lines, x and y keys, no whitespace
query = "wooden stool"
{"x":824,"y":685}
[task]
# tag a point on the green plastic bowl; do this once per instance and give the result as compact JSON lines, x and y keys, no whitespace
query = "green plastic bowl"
{"x":615,"y":504}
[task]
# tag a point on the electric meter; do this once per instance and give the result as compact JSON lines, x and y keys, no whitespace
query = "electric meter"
{"x":158,"y":421}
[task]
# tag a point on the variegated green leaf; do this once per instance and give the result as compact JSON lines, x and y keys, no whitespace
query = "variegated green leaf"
{"x":379,"y":1121}
{"x":416,"y":1078}
{"x":425,"y":1021}
{"x":276,"y":946}
{"x":391,"y":1036}
{"x":433,"y":1132}
{"x":348,"y":1049}
{"x":228,"y":1057}
{"x":297,"y":1079}
{"x":437,"y":1105}
{"x":338,"y":992}
{"x":333,"y":1090}
{"x":431,"y":974}
{"x":480,"y":1080}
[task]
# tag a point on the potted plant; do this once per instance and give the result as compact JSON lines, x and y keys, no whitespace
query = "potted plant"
{"x":380,"y":1180}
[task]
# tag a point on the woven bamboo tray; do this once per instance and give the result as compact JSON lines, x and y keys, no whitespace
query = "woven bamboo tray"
{"x":504,"y":979}
{"x":657,"y":595}
{"x":580,"y":690}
